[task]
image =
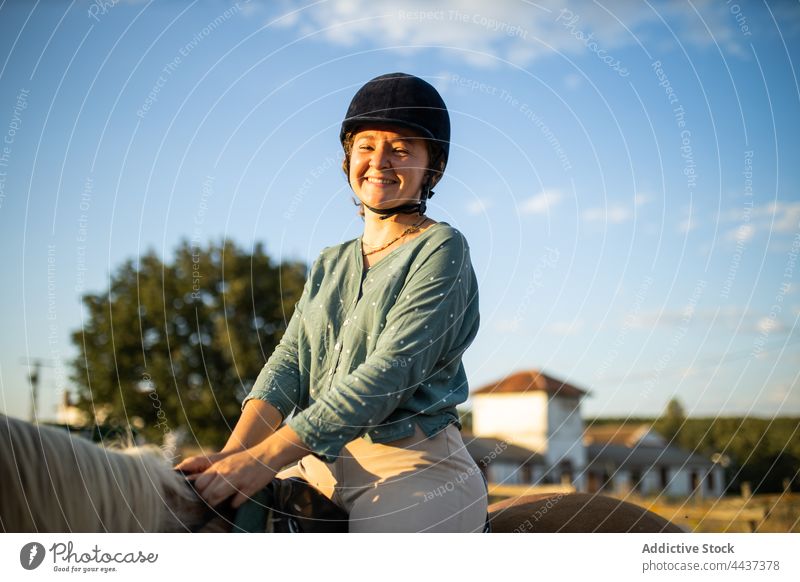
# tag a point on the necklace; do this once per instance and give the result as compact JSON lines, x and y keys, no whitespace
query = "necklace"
{"x":410,"y":229}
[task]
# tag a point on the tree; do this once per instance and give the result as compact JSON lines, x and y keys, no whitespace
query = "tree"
{"x":672,"y":421}
{"x":465,"y":416}
{"x":180,"y":344}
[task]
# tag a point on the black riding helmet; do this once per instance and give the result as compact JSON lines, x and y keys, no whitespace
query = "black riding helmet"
{"x":407,"y":101}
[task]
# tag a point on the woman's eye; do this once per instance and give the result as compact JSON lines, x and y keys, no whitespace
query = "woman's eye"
{"x":401,"y":151}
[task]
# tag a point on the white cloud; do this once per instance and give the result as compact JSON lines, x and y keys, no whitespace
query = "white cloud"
{"x":690,"y":222}
{"x":787,"y":216}
{"x":541,"y":203}
{"x":744,"y":233}
{"x":687,"y":224}
{"x":729,"y":319}
{"x":484,"y":33}
{"x":566,"y":328}
{"x":769,"y":325}
{"x":251,"y":8}
{"x":573,"y":81}
{"x":776,"y":218}
{"x":613,"y":215}
{"x":506,"y":325}
{"x":479,"y":205}
{"x":783,"y":393}
{"x":442,"y":82}
{"x":642,"y":199}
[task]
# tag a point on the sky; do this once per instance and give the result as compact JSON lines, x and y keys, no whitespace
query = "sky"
{"x":625,"y":173}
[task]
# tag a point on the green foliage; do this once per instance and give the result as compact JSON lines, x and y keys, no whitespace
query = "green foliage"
{"x":762,"y":451}
{"x":179,"y":344}
{"x":671,"y":422}
{"x":465,"y":416}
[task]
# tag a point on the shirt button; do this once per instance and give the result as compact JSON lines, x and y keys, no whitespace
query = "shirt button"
{"x":337,"y":346}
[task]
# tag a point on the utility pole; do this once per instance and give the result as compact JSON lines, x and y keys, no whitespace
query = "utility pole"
{"x":35,"y":365}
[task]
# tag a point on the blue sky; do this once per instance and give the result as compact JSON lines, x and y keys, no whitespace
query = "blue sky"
{"x":626,"y":173}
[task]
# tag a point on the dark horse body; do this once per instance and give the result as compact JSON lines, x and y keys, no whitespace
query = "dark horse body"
{"x":52,"y":482}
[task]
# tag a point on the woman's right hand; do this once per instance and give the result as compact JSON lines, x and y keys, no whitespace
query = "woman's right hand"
{"x":199,"y":463}
{"x":258,"y":421}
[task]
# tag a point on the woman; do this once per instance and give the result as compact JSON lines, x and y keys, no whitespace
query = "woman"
{"x":370,"y":363}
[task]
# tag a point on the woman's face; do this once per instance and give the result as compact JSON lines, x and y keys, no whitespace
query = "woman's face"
{"x":387,"y":166}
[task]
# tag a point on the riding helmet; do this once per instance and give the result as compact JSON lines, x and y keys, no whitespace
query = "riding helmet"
{"x":404,"y":100}
{"x":400,"y":99}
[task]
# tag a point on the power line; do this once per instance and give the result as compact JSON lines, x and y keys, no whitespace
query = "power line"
{"x":35,"y":365}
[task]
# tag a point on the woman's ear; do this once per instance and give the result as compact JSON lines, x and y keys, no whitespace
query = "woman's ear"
{"x":433,"y":177}
{"x":436,"y":168}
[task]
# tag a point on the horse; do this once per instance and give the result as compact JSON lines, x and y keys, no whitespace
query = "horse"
{"x":55,"y":482}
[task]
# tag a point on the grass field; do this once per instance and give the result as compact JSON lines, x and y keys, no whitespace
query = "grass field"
{"x":777,"y":513}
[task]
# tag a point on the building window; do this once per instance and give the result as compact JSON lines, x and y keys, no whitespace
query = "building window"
{"x":663,"y":473}
{"x":566,"y":471}
{"x":636,"y":480}
{"x":694,"y":481}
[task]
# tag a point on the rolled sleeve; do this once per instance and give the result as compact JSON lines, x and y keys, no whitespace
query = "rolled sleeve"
{"x":279,"y":381}
{"x":424,"y":329}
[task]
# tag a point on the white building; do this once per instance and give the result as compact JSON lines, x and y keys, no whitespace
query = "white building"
{"x":634,"y":458}
{"x":505,"y":463}
{"x":536,"y":420}
{"x":537,"y":412}
{"x":70,"y":415}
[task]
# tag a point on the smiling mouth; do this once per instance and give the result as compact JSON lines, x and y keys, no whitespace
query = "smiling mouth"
{"x":380,"y":181}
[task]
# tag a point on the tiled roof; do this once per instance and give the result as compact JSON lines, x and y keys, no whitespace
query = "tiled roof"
{"x":634,"y":445}
{"x":627,"y":435}
{"x":494,"y":449}
{"x":641,"y":457}
{"x":531,"y":380}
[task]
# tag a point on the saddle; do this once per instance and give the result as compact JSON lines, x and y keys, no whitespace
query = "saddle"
{"x":290,"y":505}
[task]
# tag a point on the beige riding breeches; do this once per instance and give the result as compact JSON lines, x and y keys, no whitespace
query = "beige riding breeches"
{"x":415,"y":484}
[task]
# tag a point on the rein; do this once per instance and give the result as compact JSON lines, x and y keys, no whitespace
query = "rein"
{"x":224,"y":510}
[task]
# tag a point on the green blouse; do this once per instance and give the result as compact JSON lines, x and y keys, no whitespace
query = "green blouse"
{"x":370,"y":353}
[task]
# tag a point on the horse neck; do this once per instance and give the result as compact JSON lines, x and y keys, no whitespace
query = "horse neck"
{"x":59,"y":483}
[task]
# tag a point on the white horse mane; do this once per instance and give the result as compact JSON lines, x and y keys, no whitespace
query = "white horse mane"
{"x":54,"y":482}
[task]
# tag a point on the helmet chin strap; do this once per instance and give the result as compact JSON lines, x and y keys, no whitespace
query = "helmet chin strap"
{"x":419,"y":207}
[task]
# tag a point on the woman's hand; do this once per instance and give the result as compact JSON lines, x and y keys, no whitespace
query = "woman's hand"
{"x":239,"y":474}
{"x":259,"y":420}
{"x":242,"y":473}
{"x":200,"y":463}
